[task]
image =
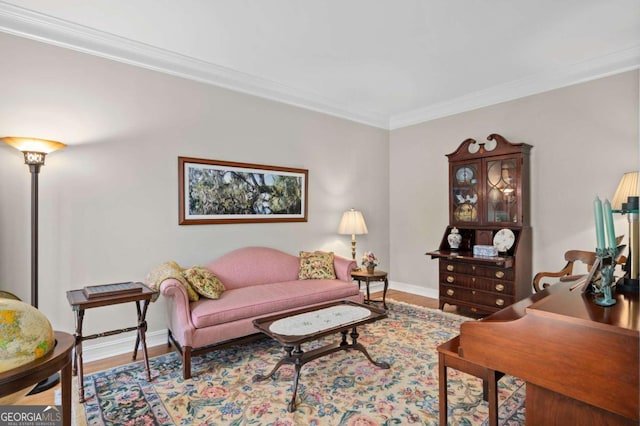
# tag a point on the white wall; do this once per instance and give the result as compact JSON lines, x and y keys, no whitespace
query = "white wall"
{"x":109,"y":201}
{"x":584,"y":138}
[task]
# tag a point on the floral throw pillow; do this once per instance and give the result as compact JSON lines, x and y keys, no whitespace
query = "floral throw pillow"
{"x":166,"y":270}
{"x":316,"y":265}
{"x":205,"y":282}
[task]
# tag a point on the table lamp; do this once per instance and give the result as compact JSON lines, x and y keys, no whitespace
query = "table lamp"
{"x":625,"y":201}
{"x":352,"y":223}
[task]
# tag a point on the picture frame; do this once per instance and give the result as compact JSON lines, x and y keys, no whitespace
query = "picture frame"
{"x":224,"y":192}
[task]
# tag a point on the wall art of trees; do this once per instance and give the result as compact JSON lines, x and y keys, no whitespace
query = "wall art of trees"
{"x":232,"y":192}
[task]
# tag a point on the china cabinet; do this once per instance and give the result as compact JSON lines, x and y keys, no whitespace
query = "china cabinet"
{"x":489,"y":207}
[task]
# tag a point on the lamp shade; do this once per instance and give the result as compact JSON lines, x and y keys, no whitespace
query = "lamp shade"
{"x":352,"y":223}
{"x":33,"y":145}
{"x":628,"y":187}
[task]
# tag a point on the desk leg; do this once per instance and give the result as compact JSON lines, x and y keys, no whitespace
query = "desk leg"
{"x":141,"y":336}
{"x":368,"y":297}
{"x":77,"y":359}
{"x":442,"y":388}
{"x":65,"y":384}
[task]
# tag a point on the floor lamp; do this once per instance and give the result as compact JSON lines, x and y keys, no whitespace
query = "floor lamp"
{"x":352,"y":222}
{"x":35,"y":150}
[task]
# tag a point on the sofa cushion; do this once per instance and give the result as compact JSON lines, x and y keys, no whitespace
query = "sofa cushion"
{"x":267,"y":299}
{"x":204,"y":282}
{"x":317,"y":265}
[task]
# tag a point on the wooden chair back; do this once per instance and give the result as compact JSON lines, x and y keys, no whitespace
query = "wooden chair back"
{"x":566,"y":273}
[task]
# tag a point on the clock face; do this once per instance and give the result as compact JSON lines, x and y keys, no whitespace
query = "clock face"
{"x":465,"y":175}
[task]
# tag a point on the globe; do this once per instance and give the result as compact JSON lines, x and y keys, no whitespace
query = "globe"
{"x":25,"y":335}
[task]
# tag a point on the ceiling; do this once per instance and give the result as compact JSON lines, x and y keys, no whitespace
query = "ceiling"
{"x":385,"y":63}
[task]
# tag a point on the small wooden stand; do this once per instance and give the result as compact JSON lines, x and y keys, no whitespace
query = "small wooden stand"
{"x":79,"y":302}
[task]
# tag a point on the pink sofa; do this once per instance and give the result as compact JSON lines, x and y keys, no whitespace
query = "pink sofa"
{"x":259,"y":281}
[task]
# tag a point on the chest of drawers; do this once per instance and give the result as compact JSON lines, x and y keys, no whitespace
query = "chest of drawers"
{"x":483,"y":284}
{"x":476,"y":286}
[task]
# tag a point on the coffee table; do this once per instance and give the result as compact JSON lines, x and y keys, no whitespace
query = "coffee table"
{"x":294,"y":328}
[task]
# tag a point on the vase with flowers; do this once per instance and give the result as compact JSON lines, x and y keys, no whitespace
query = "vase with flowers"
{"x":369,"y":261}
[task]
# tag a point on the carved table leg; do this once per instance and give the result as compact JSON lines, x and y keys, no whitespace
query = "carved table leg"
{"x":287,"y":358}
{"x":361,"y":348}
{"x":297,"y":355}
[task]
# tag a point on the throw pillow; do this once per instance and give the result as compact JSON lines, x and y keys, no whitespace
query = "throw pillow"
{"x":205,"y":282}
{"x":166,"y":270}
{"x":316,"y":266}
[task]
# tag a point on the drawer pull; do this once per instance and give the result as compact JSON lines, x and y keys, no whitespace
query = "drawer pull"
{"x":450,"y":292}
{"x":500,"y":302}
{"x":473,"y":268}
{"x":450,"y":268}
{"x":499,"y":287}
{"x":500,"y":274}
{"x":450,"y":279}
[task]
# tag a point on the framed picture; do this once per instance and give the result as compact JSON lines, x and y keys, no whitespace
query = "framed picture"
{"x":214,"y":191}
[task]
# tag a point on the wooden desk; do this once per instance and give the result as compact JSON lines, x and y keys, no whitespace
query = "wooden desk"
{"x":363,"y":275}
{"x":79,"y":303}
{"x":579,"y":360}
{"x":59,"y":359}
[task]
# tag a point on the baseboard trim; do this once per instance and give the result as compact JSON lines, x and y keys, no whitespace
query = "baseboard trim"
{"x":124,"y":345}
{"x":413,"y":289}
{"x":121,"y":346}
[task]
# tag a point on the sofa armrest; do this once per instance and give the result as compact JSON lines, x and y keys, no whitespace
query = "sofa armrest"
{"x":178,"y":310}
{"x":343,"y":267}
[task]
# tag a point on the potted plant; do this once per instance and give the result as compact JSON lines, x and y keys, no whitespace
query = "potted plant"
{"x":369,"y":261}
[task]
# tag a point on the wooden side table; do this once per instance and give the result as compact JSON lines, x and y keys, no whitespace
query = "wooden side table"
{"x":59,"y":359}
{"x":79,"y":303}
{"x":363,"y":275}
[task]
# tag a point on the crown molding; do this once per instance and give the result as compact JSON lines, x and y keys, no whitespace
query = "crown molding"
{"x":47,"y":29}
{"x":592,"y":69}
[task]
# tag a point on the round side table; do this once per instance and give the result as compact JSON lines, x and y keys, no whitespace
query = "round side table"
{"x":363,"y":275}
{"x":59,"y":359}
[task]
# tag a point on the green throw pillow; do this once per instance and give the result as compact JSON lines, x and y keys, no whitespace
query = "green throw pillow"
{"x":316,"y":266}
{"x":205,"y":282}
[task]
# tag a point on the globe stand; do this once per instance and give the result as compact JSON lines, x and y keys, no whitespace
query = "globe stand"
{"x":46,"y":384}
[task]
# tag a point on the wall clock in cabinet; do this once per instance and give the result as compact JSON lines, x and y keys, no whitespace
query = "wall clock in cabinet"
{"x":489,"y":206}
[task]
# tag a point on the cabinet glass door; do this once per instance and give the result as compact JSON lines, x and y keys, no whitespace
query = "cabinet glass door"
{"x":502,"y":191}
{"x":464,"y":196}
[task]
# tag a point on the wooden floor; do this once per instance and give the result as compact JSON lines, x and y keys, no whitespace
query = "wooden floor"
{"x":47,"y":397}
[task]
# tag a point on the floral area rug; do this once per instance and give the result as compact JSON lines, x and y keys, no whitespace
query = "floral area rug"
{"x":343,"y":388}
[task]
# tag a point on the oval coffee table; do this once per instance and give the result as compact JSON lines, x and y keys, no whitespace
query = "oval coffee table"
{"x":291,"y":329}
